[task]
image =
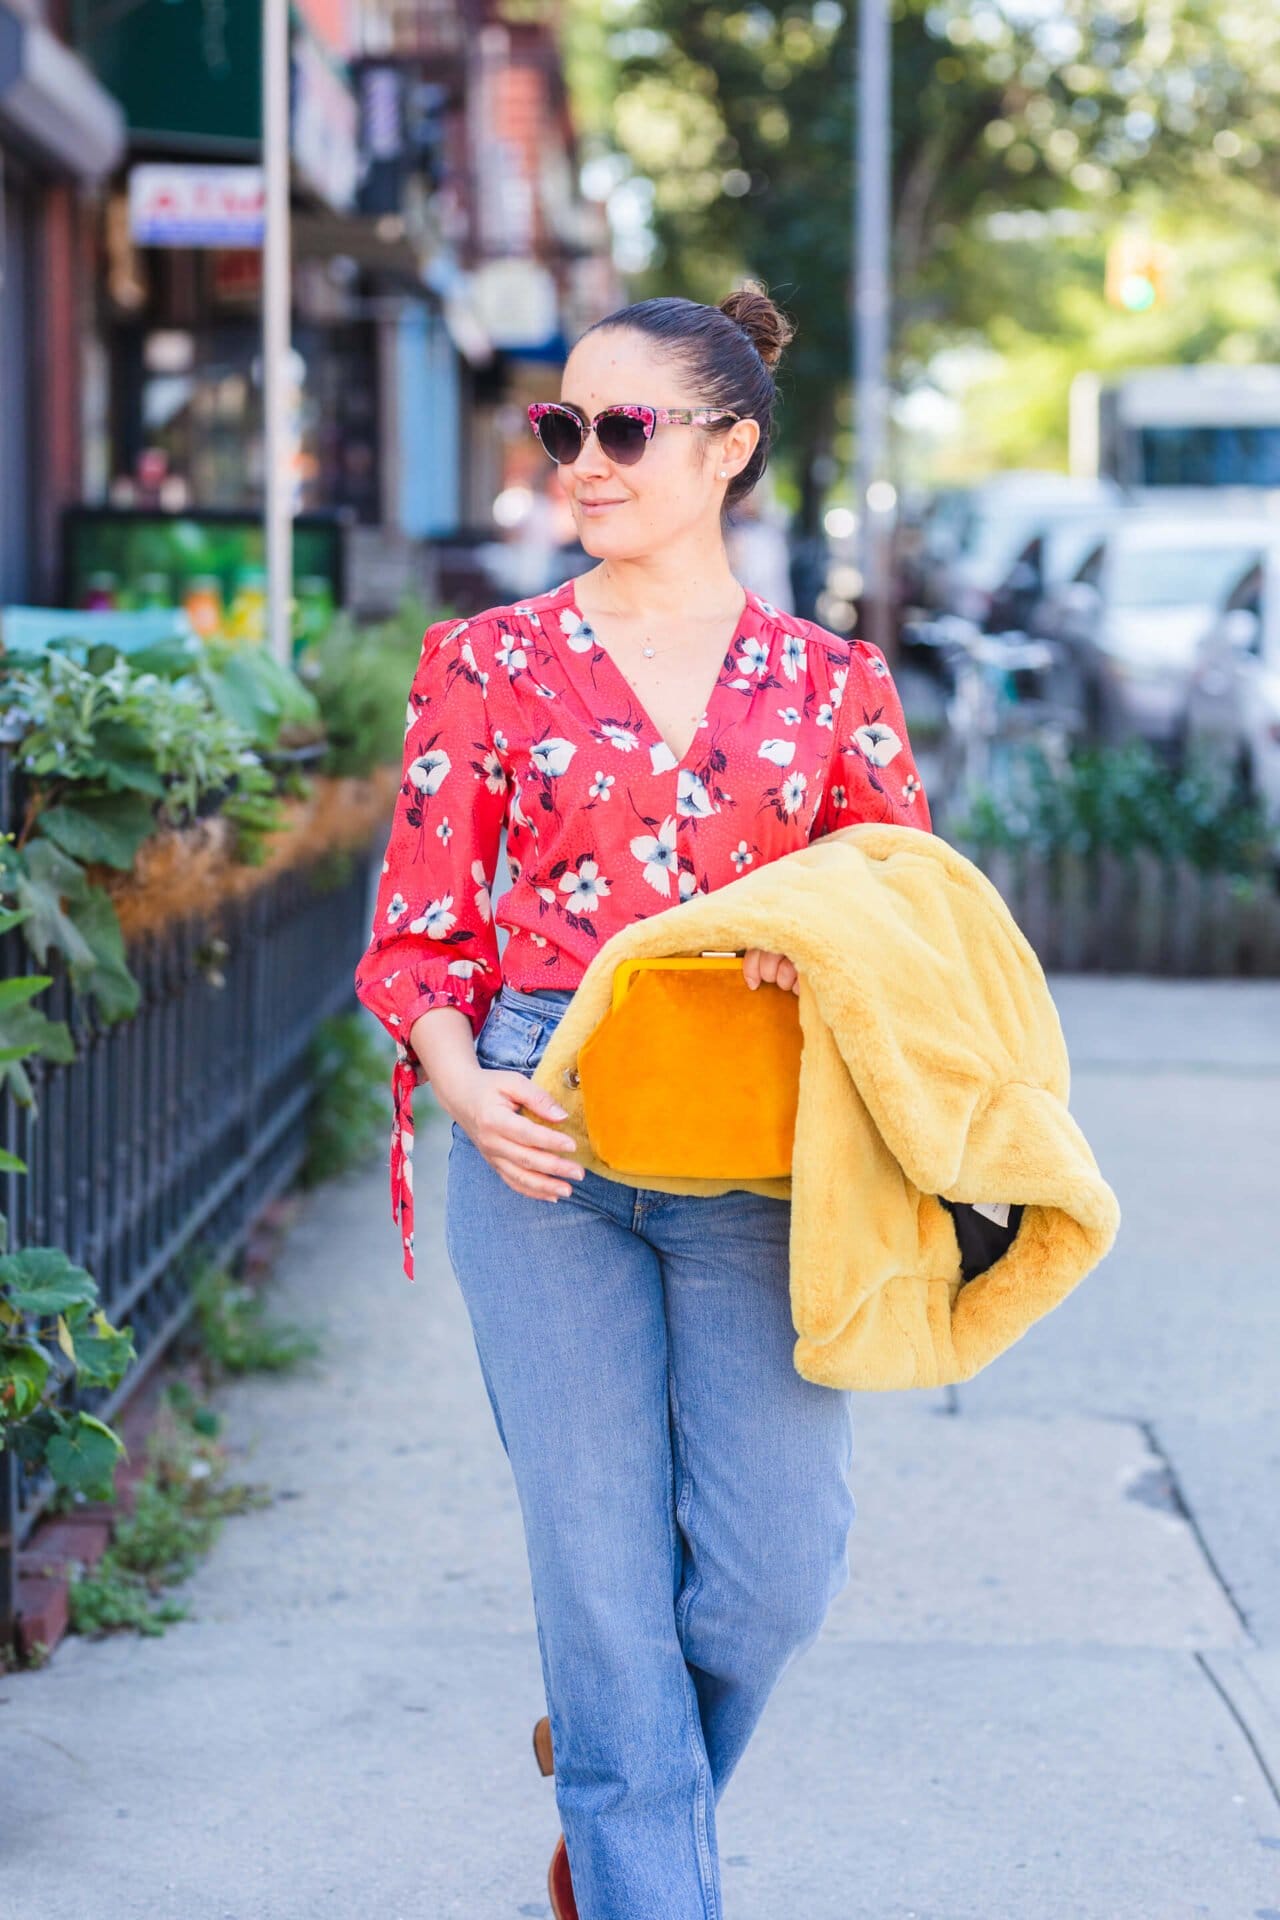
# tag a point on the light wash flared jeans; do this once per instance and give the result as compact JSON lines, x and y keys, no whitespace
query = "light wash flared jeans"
{"x":684,"y":1491}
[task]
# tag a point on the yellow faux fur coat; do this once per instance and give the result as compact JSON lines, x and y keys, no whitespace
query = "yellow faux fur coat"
{"x":933,"y":1068}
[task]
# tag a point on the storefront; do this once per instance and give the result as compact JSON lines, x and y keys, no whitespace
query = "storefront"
{"x":17,"y":295}
{"x":58,"y":129}
{"x":186,"y":393}
{"x":180,"y":323}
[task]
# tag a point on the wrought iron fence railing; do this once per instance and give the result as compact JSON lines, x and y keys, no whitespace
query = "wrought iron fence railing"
{"x":175,"y":1127}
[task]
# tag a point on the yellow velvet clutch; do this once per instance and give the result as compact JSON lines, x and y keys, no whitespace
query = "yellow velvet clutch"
{"x":692,"y":1073}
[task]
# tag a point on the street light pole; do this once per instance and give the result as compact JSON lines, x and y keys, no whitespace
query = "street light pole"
{"x":275,"y":327}
{"x":871,"y":305}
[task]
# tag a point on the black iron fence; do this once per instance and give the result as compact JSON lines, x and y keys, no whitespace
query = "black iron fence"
{"x":174,"y":1128}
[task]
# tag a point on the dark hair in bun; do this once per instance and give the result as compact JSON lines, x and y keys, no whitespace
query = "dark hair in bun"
{"x":765,"y":325}
{"x":729,"y":353}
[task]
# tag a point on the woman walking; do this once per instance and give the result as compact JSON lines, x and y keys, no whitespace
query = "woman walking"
{"x":642,"y":732}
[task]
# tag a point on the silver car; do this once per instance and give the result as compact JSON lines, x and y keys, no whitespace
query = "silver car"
{"x":1130,"y":620}
{"x":972,"y":536}
{"x":1233,"y":714}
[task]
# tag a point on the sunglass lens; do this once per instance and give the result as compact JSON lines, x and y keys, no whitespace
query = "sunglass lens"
{"x":622,"y":438}
{"x":561,"y":435}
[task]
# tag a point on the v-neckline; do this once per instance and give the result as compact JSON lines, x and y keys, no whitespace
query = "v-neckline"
{"x":656,"y":736}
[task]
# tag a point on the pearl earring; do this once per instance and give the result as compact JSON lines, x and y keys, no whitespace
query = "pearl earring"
{"x":723,"y":475}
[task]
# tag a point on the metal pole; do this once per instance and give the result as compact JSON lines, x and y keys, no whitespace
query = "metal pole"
{"x":275,"y":326}
{"x":871,"y":302}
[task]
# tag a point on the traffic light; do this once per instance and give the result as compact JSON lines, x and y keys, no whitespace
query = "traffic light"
{"x":1137,"y":271}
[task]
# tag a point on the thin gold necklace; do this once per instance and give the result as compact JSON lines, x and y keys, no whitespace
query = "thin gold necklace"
{"x":649,"y":651}
{"x":645,"y":648}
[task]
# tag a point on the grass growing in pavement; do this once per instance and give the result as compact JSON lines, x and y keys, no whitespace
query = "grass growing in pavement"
{"x":184,"y":1496}
{"x":180,"y":1503}
{"x":233,"y":1330}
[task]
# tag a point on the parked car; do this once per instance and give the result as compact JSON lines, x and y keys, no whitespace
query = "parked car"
{"x":972,"y":537}
{"x":1233,"y":712}
{"x":1053,"y":553}
{"x":940,"y":643}
{"x":1130,"y":619}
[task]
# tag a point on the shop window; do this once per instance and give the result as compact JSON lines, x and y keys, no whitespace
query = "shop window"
{"x":188,"y":418}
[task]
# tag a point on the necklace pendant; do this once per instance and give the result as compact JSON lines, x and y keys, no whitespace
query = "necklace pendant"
{"x":647,"y":652}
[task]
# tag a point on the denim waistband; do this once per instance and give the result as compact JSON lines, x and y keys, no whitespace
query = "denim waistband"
{"x":554,"y":997}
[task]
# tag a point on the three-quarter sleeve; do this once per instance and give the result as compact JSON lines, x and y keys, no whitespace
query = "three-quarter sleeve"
{"x":433,"y":942}
{"x":872,"y":774}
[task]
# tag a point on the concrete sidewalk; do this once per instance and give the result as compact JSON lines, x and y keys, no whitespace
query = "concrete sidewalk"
{"x":1051,"y":1690}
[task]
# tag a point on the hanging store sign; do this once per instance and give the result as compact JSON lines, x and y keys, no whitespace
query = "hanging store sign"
{"x":194,"y":206}
{"x":326,"y":124}
{"x":402,"y":132}
{"x":191,"y":70}
{"x":517,"y":303}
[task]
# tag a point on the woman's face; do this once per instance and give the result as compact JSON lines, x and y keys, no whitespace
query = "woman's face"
{"x":674,"y":489}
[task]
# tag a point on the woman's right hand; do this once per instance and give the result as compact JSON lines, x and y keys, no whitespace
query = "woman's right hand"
{"x":533,"y":1159}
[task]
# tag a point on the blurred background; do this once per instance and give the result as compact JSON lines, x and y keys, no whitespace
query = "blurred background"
{"x":1079,"y":466}
{"x":268,"y":330}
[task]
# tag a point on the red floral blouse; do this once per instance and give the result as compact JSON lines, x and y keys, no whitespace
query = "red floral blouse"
{"x":519,"y":719}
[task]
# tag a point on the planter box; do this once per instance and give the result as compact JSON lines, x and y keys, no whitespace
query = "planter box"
{"x":186,"y":871}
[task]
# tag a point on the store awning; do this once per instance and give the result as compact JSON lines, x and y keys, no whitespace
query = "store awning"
{"x":51,"y":103}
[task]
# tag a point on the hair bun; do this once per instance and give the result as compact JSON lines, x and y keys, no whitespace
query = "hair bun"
{"x":765,"y":325}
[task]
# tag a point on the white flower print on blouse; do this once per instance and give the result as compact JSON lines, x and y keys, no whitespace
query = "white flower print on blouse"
{"x":552,"y":757}
{"x":585,"y":885}
{"x":437,"y":921}
{"x":692,"y":797}
{"x":792,"y":655}
{"x":579,"y":634}
{"x":880,"y":743}
{"x":430,"y":771}
{"x":753,"y":659}
{"x":517,"y":721}
{"x":657,"y":853}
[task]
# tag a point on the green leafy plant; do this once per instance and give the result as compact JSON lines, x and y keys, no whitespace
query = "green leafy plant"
{"x":1120,"y":799}
{"x":51,"y":1330}
{"x":120,"y":731}
{"x":112,"y":748}
{"x":235,"y":1334}
{"x":254,"y":808}
{"x":112,"y":753}
{"x":24,"y":1031}
{"x":60,"y":909}
{"x":348,"y":1118}
{"x":178,"y":1509}
{"x":360,"y":676}
{"x":266,"y":700}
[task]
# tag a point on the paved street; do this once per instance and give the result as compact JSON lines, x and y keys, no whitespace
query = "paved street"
{"x":1051,"y":1690}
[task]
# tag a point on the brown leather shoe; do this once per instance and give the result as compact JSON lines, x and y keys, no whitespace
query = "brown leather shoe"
{"x":560,"y":1886}
{"x":542,"y":1744}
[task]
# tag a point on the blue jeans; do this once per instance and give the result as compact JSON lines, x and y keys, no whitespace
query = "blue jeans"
{"x":684,"y":1491}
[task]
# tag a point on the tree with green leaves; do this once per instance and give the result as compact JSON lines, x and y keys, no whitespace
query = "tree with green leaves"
{"x":738,"y":120}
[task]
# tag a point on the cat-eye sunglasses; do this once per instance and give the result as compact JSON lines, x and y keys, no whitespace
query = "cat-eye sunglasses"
{"x":622,"y":431}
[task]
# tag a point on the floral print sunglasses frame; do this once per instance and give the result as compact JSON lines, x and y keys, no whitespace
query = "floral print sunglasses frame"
{"x":618,"y":443}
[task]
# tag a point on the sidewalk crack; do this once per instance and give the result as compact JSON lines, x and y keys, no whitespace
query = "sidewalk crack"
{"x":1182,"y":1507}
{"x":1222,"y":1693}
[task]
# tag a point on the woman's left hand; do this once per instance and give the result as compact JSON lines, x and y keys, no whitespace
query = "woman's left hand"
{"x":759,"y":964}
